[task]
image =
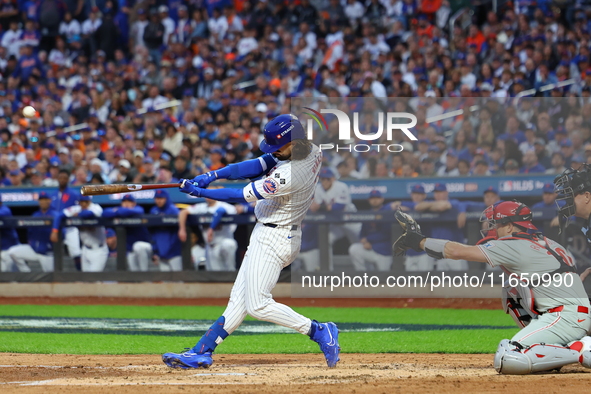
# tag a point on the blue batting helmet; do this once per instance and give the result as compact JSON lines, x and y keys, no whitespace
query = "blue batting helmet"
{"x":280,"y":131}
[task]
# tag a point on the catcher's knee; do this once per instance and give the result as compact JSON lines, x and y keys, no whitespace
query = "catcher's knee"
{"x":510,"y":361}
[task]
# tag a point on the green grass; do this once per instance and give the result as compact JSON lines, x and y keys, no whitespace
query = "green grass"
{"x":343,"y":315}
{"x":442,"y":341}
{"x":465,"y":341}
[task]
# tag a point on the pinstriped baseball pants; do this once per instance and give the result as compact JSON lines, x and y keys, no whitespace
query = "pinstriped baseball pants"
{"x":269,"y":251}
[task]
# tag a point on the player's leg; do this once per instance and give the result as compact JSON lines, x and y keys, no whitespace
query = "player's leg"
{"x":163,"y":265}
{"x":358,"y":256}
{"x":98,"y":260}
{"x":132,"y":264}
{"x":46,"y":262}
{"x":383,"y":263}
{"x":352,"y":231}
{"x":20,"y":254}
{"x":213,"y":258}
{"x":228,"y":254}
{"x":310,"y":259}
{"x":143,"y":254}
{"x":176,"y":263}
{"x":6,"y":262}
{"x":197,"y":255}
{"x":199,"y":356}
{"x":86,"y":259}
{"x":547,"y":343}
{"x":72,"y":242}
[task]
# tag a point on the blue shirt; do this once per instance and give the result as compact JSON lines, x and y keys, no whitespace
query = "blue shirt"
{"x":8,"y":235}
{"x":64,"y":199}
{"x":134,"y":234}
{"x":379,"y":234}
{"x":166,"y":242}
{"x":38,"y":237}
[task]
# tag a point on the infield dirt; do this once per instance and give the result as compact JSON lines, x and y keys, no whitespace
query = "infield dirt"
{"x":356,"y":373}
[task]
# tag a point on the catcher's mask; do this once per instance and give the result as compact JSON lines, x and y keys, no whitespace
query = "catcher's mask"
{"x":504,"y":212}
{"x":568,"y":185}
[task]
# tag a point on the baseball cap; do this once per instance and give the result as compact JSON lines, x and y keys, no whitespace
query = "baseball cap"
{"x":434,"y":149}
{"x":326,"y":173}
{"x":124,"y":163}
{"x":261,"y":107}
{"x":43,"y":195}
{"x":96,"y":161}
{"x":566,"y":143}
{"x":64,"y":151}
{"x":138,"y":153}
{"x":451,"y":152}
{"x":539,"y":141}
{"x":218,"y":151}
{"x":375,"y":194}
{"x":418,"y":189}
{"x":110,"y":233}
{"x":165,"y":156}
{"x":128,"y":197}
{"x":440,"y":187}
{"x":14,"y":173}
{"x":491,"y":189}
{"x":548,"y":188}
{"x":577,"y":159}
{"x":148,"y":160}
{"x":85,"y":198}
{"x":161,"y":194}
{"x":163,"y":8}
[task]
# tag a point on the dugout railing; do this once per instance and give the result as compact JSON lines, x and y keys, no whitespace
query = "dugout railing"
{"x":189,"y":274}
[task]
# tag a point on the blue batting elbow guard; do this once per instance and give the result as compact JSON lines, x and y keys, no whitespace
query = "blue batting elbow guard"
{"x":189,"y":188}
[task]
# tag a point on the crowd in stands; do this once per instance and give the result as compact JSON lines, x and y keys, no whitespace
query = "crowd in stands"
{"x":235,"y":64}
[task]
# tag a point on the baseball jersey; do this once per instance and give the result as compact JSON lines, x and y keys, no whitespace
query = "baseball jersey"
{"x":379,"y":234}
{"x":224,"y":231}
{"x":64,"y":199}
{"x":8,"y":236}
{"x":38,"y":237}
{"x":285,"y":194}
{"x":524,"y":256}
{"x":337,"y":196}
{"x":91,"y":237}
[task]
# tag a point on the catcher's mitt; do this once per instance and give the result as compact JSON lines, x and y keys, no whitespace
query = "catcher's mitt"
{"x":412,"y":236}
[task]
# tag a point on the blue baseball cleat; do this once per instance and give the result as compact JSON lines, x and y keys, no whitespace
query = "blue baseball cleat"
{"x":327,"y":336}
{"x":188,"y":359}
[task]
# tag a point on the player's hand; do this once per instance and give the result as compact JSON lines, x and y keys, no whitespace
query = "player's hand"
{"x":182,"y":234}
{"x":555,"y":222}
{"x":188,"y":187}
{"x":366,"y":244}
{"x":585,"y":273}
{"x":204,"y":180}
{"x":412,"y":236}
{"x":54,"y":236}
{"x":209,"y":235}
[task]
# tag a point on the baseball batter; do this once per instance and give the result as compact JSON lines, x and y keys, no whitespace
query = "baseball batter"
{"x":38,"y":247}
{"x":283,"y":196}
{"x":95,"y":251}
{"x":220,"y":245}
{"x":557,"y":336}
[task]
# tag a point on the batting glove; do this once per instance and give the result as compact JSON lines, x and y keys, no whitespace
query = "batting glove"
{"x":204,"y":180}
{"x":188,"y":187}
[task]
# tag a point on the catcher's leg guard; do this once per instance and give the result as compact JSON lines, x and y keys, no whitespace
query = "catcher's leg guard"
{"x":511,"y":359}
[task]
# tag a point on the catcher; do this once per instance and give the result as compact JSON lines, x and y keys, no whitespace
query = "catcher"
{"x":558,"y":334}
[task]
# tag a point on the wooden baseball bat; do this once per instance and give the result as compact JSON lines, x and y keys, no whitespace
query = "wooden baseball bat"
{"x":97,"y":190}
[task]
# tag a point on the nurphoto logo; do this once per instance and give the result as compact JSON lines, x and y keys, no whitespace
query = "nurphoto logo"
{"x":390,"y":124}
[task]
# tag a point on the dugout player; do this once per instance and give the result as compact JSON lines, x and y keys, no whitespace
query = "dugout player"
{"x":559,"y":334}
{"x":283,"y":194}
{"x":374,"y":247}
{"x":8,"y":239}
{"x":95,"y":251}
{"x":139,"y":248}
{"x":166,"y":243}
{"x":220,"y":245}
{"x":38,"y":247}
{"x":62,"y":199}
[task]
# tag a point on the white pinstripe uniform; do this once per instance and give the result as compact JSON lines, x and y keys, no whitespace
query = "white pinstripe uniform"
{"x":521,"y":256}
{"x":282,"y":199}
{"x":220,"y":254}
{"x":95,"y":251}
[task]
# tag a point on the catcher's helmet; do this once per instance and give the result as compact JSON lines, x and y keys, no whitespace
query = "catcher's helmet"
{"x":505,"y":212}
{"x":280,"y":131}
{"x":570,"y":183}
